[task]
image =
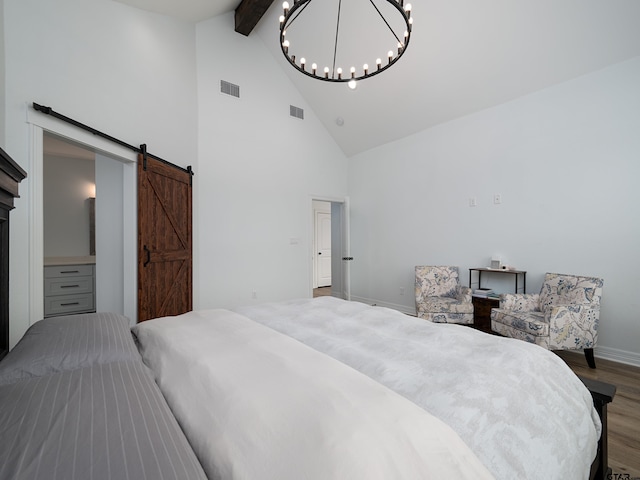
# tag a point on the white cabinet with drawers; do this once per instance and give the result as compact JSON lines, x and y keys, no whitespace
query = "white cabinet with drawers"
{"x":69,"y":289}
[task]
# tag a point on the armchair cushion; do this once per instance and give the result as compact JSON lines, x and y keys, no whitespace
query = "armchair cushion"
{"x":520,"y":302}
{"x":533,"y":323}
{"x":447,"y":305}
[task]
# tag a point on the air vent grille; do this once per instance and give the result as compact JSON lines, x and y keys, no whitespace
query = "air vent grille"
{"x":229,"y":88}
{"x":296,"y":112}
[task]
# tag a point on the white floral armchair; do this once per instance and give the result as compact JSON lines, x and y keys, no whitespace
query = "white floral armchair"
{"x":440,"y":298}
{"x":563,"y":316}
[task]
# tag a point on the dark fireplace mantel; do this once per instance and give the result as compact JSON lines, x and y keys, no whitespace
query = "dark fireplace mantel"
{"x":10,"y":176}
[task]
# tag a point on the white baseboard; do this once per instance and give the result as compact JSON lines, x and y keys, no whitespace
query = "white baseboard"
{"x":616,"y":355}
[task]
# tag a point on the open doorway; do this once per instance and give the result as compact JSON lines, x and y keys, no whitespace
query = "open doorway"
{"x":83,"y":228}
{"x":330,"y":248}
{"x":322,"y":248}
{"x":115,"y":165}
{"x":69,"y":191}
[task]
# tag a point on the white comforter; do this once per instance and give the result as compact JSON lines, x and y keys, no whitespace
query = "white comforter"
{"x":259,"y":405}
{"x":519,"y":407}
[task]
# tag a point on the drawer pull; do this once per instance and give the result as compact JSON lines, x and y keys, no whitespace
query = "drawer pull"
{"x":69,"y":286}
{"x":70,"y":271}
{"x":69,"y":304}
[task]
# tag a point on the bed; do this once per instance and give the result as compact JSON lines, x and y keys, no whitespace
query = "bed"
{"x":304,"y":389}
{"x":519,"y":409}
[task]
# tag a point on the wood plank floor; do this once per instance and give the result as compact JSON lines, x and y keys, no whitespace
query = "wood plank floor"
{"x":624,"y":411}
{"x":322,"y":292}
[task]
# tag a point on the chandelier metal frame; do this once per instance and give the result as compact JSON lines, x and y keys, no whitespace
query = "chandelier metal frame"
{"x":334,"y":74}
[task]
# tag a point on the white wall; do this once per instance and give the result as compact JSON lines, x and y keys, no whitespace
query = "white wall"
{"x":258,"y":170}
{"x":68,"y":183}
{"x":565,"y":161}
{"x":121,"y":70}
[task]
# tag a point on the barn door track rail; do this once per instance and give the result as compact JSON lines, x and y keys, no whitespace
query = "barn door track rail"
{"x":142,"y":149}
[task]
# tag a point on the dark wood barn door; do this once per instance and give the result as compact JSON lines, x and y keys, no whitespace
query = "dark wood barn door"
{"x":164,"y":239}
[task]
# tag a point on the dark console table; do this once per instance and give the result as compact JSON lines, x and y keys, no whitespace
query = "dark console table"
{"x":519,"y":275}
{"x":481,"y":305}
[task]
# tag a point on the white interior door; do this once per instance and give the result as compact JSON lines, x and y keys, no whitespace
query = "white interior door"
{"x":323,"y":248}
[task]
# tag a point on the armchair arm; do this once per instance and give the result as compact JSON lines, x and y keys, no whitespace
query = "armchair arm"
{"x":463,"y":294}
{"x":520,"y":302}
{"x":573,"y":326}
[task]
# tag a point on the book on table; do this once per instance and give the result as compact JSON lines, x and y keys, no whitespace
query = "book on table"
{"x":482,"y":292}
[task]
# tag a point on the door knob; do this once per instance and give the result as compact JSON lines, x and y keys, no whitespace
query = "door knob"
{"x":319,"y":253}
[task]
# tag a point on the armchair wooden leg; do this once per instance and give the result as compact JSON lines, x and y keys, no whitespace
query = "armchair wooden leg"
{"x":588,"y":353}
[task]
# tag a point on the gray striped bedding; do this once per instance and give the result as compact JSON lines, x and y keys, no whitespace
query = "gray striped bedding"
{"x":94,"y":413}
{"x":66,"y":343}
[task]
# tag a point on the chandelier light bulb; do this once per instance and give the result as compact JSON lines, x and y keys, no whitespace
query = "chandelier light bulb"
{"x":352,"y":84}
{"x":293,"y":10}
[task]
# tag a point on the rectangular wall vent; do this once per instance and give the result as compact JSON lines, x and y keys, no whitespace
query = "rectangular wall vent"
{"x":229,"y":88}
{"x":296,"y":112}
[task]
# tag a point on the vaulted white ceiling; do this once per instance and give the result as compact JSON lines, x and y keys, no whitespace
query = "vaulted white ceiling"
{"x":464,"y":56}
{"x":191,"y":10}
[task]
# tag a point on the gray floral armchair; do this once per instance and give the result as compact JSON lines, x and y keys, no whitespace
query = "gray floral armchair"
{"x":440,"y":298}
{"x":563,"y":316}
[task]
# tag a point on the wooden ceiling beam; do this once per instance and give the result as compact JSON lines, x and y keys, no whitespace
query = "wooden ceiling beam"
{"x":249,"y":13}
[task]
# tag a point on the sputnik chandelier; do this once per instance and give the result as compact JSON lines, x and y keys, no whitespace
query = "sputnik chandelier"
{"x":397,"y":42}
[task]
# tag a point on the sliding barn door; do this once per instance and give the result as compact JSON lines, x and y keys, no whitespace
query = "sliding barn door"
{"x":164,"y":239}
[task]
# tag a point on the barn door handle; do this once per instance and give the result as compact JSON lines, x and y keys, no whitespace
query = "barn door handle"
{"x":148,"y":259}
